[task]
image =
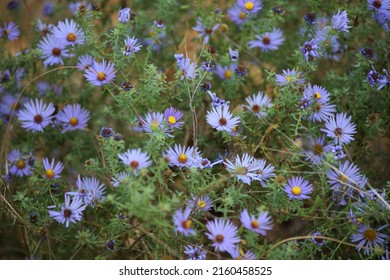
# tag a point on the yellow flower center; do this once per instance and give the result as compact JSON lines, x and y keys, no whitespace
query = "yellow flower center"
{"x":171,"y":119}
{"x":242,"y":15}
{"x":249,"y":6}
{"x":201,"y":204}
{"x":71,"y":37}
{"x":49,"y":173}
{"x":101,"y":76}
{"x":370,"y":234}
{"x":186,"y":224}
{"x":182,"y":158}
{"x":343,"y":178}
{"x":20,"y":164}
{"x":73,"y":121}
{"x":255,"y":224}
{"x":317,"y":95}
{"x":318,"y":149}
{"x":296,"y":190}
{"x":241,"y":170}
{"x":228,"y":74}
{"x":288,"y":79}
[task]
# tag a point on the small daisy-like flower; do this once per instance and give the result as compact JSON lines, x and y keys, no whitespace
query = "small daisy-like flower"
{"x":52,"y":51}
{"x":237,"y":15}
{"x":100,"y":73}
{"x":10,"y":31}
{"x":310,"y":50}
{"x":187,"y":69}
{"x":382,"y":19}
{"x":52,"y":171}
{"x":119,"y":178}
{"x":172,"y":117}
{"x":90,"y":190}
{"x":221,"y":119}
{"x":36,"y":115}
{"x":207,"y":66}
{"x":380,"y":7}
{"x":310,"y":18}
{"x":318,"y":241}
{"x":268,"y":41}
{"x":225,"y":72}
{"x":250,"y":6}
{"x":340,"y":128}
{"x":48,"y":9}
{"x":368,"y":53}
{"x":153,"y":122}
{"x":237,"y":255}
{"x":369,"y":238}
{"x":347,"y":175}
{"x":182,"y":156}
{"x":202,"y":203}
{"x":182,"y":221}
{"x":316,"y":93}
{"x":264,"y":172}
{"x":19,"y":162}
{"x":322,"y":112}
{"x":85,"y":62}
{"x":258,"y":104}
{"x":69,"y":33}
{"x":204,"y":31}
{"x":131,"y":46}
{"x":384,"y":80}
{"x":289,"y":77}
{"x":195,"y":252}
{"x":107,"y":132}
{"x":233,"y":54}
{"x":298,"y":188}
{"x":73,"y":117}
{"x":124,"y":15}
{"x":71,"y":212}
{"x":135,"y":159}
{"x":224,"y":234}
{"x":373,"y":77}
{"x":44,"y":28}
{"x":244,"y":168}
{"x":340,"y":21}
{"x":316,"y":149}
{"x":261,"y":224}
{"x":9,"y":105}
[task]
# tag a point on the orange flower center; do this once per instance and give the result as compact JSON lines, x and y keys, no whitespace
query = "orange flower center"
{"x":182,"y":158}
{"x":249,"y":6}
{"x":73,"y":121}
{"x":20,"y":164}
{"x":71,"y":37}
{"x":49,"y":173}
{"x":101,"y":76}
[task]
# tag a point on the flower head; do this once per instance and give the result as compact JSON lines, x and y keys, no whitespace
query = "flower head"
{"x":310,"y":18}
{"x":340,"y":128}
{"x":44,"y":28}
{"x":135,"y":159}
{"x":261,"y":224}
{"x":220,"y":118}
{"x":237,"y":254}
{"x":204,"y":31}
{"x":202,"y":203}
{"x":310,"y":50}
{"x":216,"y":101}
{"x":384,"y":80}
{"x":288,"y":77}
{"x":20,"y":164}
{"x":250,"y":6}
{"x":36,"y":115}
{"x":233,"y":54}
{"x":52,"y":171}
{"x":182,"y":221}
{"x":52,"y":51}
{"x":318,"y":241}
{"x":119,"y":178}
{"x":73,"y":117}
{"x":258,"y":104}
{"x":268,"y":41}
{"x":195,"y":252}
{"x":100,"y":73}
{"x":172,"y":117}
{"x":9,"y":105}
{"x":107,"y":132}
{"x":373,"y":77}
{"x":316,"y":149}
{"x":154,"y":122}
{"x":131,"y":46}
{"x":187,"y":68}
{"x":340,"y":21}
{"x":237,"y":15}
{"x":124,"y":15}
{"x":182,"y":156}
{"x":298,"y":188}
{"x":10,"y":31}
{"x":89,"y":190}
{"x":68,"y":33}
{"x":225,"y":72}
{"x":369,"y":238}
{"x":85,"y":62}
{"x":71,"y":212}
{"x":223,"y":234}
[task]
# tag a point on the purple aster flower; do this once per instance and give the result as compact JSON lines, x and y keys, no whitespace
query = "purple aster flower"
{"x":48,"y":9}
{"x":202,"y":203}
{"x":316,"y":93}
{"x":237,"y":255}
{"x":44,"y":28}
{"x":338,"y":152}
{"x":207,"y":66}
{"x":298,"y":188}
{"x":380,"y":7}
{"x":233,"y":54}
{"x":85,"y":62}
{"x":340,"y":21}
{"x":225,"y":72}
{"x":9,"y":105}
{"x":373,"y":77}
{"x":310,"y":18}
{"x":73,"y":117}
{"x":187,"y":68}
{"x":318,"y":241}
{"x":384,"y":80}
{"x":268,"y":41}
{"x":369,"y":238}
{"x":250,"y":6}
{"x":241,"y":70}
{"x":382,"y":19}
{"x":100,"y":73}
{"x":52,"y":171}
{"x":36,"y":116}
{"x":261,"y":224}
{"x":154,"y":122}
{"x":340,"y":128}
{"x":224,"y":234}
{"x":288,"y":77}
{"x":135,"y":159}
{"x":237,"y":15}
{"x":368,"y":53}
{"x":90,"y":190}
{"x":245,"y":168}
{"x":206,"y":86}
{"x":68,"y":33}
{"x":131,"y":46}
{"x":70,"y":211}
{"x":203,"y":163}
{"x":216,"y":101}
{"x":195,"y":252}
{"x":19,"y":162}
{"x":52,"y":51}
{"x":258,"y":104}
{"x":119,"y":178}
{"x":107,"y":132}
{"x":182,"y":221}
{"x":316,"y":149}
{"x":10,"y":31}
{"x":172,"y":117}
{"x":321,"y":112}
{"x":310,"y":50}
{"x":182,"y":156}
{"x":221,"y":119}
{"x":124,"y":15}
{"x":264,"y":172}
{"x":159,"y":23}
{"x":204,"y":31}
